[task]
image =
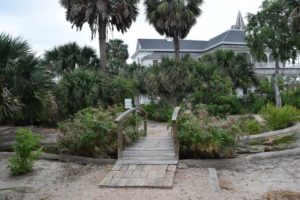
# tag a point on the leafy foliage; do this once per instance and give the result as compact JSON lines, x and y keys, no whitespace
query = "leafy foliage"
{"x":200,"y":139}
{"x":80,"y":89}
{"x":99,"y":15}
{"x":92,"y":132}
{"x":278,"y":118}
{"x":168,"y":81}
{"x":251,"y":126}
{"x":117,"y":54}
{"x":27,"y":84}
{"x":26,"y":143}
{"x":68,"y":57}
{"x":173,"y":18}
{"x":161,"y":111}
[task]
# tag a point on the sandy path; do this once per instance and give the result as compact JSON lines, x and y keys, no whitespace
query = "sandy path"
{"x":55,"y":180}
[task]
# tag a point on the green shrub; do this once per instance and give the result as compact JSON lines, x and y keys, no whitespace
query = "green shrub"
{"x":26,"y":143}
{"x":161,"y":111}
{"x":278,"y":118}
{"x":291,"y":97}
{"x":200,"y":139}
{"x":251,"y":126}
{"x":92,"y":132}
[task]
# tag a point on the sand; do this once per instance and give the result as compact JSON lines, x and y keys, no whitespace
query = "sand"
{"x":56,"y":180}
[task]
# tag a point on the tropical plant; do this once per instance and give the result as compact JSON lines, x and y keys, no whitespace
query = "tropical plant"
{"x":100,"y":14}
{"x":121,"y":88}
{"x":27,"y":152}
{"x":27,"y":83}
{"x":80,"y":89}
{"x":269,"y":30}
{"x":117,"y":54}
{"x":173,"y":18}
{"x":68,"y":57}
{"x":169,"y":81}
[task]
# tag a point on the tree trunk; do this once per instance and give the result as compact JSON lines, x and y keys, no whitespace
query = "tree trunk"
{"x":176,"y":47}
{"x":102,"y":44}
{"x":275,"y":85}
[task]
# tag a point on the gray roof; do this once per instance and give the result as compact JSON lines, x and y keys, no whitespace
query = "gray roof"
{"x":235,"y":35}
{"x":163,"y":44}
{"x":230,"y":36}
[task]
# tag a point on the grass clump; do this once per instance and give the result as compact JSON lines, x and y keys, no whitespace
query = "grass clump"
{"x":279,"y":118}
{"x":280,"y":195}
{"x":27,"y":152}
{"x":200,"y":139}
{"x":251,"y":127}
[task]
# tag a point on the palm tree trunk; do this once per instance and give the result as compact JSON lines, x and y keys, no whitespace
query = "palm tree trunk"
{"x":176,"y":47}
{"x":102,"y":44}
{"x":275,"y":85}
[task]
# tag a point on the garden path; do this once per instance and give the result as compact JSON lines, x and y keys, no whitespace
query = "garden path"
{"x":150,"y":162}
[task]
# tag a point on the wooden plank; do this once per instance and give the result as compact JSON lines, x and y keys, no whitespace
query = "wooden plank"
{"x":148,"y":162}
{"x":213,"y":178}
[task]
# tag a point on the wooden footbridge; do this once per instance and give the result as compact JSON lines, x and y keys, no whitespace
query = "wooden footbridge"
{"x":151,"y":161}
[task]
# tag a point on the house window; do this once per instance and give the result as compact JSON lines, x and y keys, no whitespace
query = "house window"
{"x":155,"y":62}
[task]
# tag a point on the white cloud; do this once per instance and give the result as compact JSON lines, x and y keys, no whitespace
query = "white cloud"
{"x":43,"y":23}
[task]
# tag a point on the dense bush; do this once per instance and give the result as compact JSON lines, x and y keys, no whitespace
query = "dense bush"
{"x":92,"y":132}
{"x":278,"y":118}
{"x":251,"y":126}
{"x":201,"y":139}
{"x":161,"y":111}
{"x":121,"y":88}
{"x":292,"y":97}
{"x":26,"y":143}
{"x":80,"y":89}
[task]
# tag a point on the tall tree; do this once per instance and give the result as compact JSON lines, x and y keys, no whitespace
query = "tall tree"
{"x":65,"y":58}
{"x":173,"y":18}
{"x":100,"y":14}
{"x":117,"y":54}
{"x":269,"y":29}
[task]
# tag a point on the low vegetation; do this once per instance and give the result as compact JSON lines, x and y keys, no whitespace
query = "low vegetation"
{"x":92,"y":132}
{"x":27,"y":151}
{"x":278,"y":118}
{"x":200,"y":138}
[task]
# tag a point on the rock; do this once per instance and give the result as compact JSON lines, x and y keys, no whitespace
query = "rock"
{"x":269,"y":142}
{"x":268,"y":148}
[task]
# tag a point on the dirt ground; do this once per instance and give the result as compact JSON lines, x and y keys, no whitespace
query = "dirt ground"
{"x":69,"y":181}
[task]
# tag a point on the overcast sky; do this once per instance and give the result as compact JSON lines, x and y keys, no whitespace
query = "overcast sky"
{"x":42,"y":23}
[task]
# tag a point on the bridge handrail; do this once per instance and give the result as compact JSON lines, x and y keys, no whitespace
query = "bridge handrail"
{"x":175,"y":131}
{"x":119,"y":121}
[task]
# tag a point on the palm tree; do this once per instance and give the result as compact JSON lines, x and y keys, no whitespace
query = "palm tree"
{"x":66,"y":58}
{"x":100,"y":14}
{"x":173,"y":18}
{"x":25,"y":84}
{"x":117,"y":54}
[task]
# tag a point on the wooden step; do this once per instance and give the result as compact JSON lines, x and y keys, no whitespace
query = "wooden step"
{"x":147,"y":162}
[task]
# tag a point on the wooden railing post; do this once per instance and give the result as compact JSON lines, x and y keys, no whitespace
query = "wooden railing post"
{"x":176,"y":142}
{"x":175,"y":132}
{"x":145,"y":125}
{"x":120,"y":140}
{"x":119,"y":121}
